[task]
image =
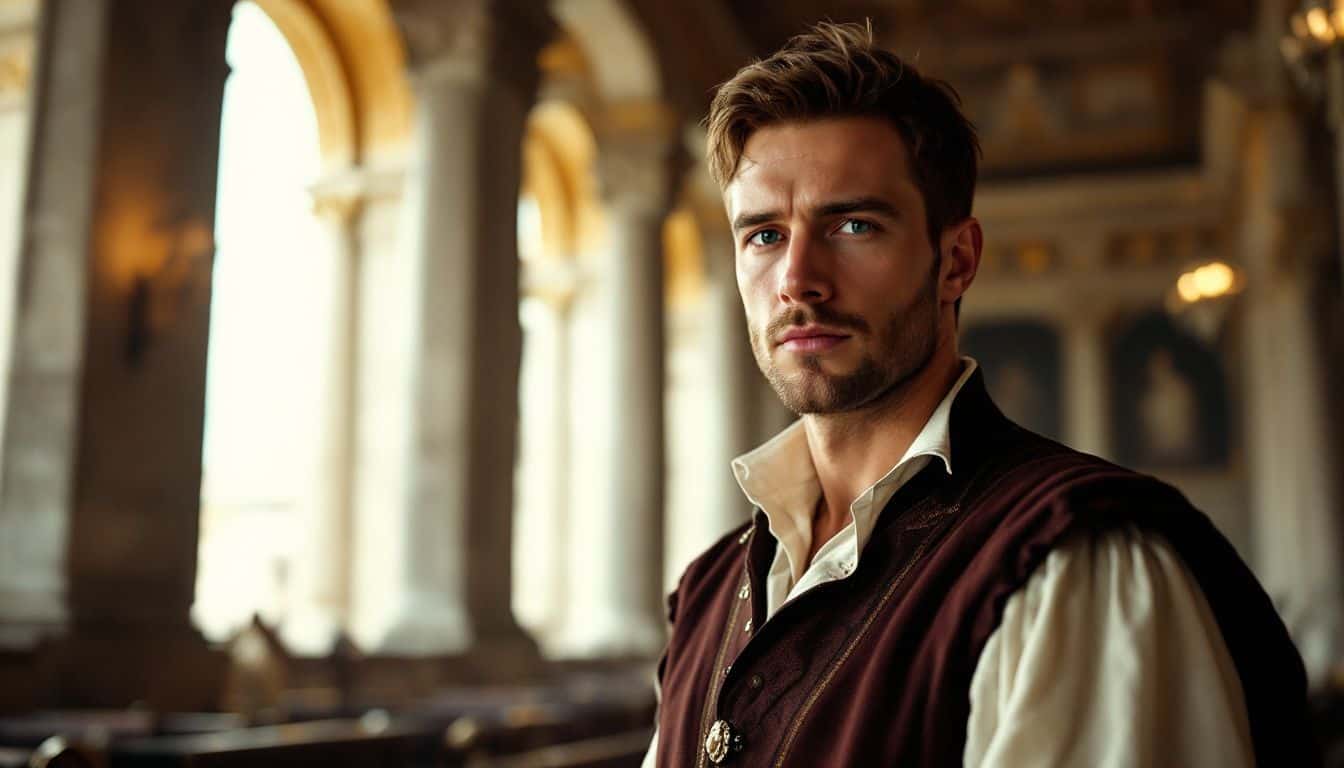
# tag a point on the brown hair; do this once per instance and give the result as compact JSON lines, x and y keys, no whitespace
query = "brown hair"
{"x":836,"y":70}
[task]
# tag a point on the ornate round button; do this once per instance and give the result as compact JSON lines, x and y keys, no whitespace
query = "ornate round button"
{"x":717,"y":742}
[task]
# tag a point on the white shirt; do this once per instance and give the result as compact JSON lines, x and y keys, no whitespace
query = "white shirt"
{"x":1108,"y":656}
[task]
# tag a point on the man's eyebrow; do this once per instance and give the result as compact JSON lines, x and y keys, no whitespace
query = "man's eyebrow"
{"x":856,"y":205}
{"x":837,"y":208}
{"x":746,"y":220}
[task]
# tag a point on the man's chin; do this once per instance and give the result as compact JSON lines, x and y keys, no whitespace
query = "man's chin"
{"x":828,"y":365}
{"x":812,"y":393}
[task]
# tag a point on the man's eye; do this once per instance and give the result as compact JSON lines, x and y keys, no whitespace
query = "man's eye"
{"x":855,"y":227}
{"x":765,"y":237}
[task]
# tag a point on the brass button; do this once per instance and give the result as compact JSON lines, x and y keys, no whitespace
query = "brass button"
{"x":745,"y":535}
{"x":744,"y":592}
{"x":747,"y":627}
{"x":755,"y":681}
{"x":718,"y":741}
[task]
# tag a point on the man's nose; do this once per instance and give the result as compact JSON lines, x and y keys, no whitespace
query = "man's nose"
{"x":806,"y":278}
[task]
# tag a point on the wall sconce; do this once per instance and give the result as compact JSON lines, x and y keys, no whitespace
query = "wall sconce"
{"x":148,"y":309}
{"x":1316,"y":31}
{"x":1200,"y":299}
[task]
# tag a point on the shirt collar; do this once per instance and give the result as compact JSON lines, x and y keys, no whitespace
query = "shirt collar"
{"x":780,"y":479}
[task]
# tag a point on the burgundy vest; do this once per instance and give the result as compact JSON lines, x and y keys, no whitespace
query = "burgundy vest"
{"x":875,"y":669}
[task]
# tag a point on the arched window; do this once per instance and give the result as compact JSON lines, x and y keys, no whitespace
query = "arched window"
{"x":262,"y":423}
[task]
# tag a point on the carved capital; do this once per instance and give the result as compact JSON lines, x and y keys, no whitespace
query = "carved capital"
{"x":640,"y":162}
{"x":474,"y":41}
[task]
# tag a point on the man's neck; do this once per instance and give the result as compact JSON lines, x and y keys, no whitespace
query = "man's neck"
{"x":852,"y":451}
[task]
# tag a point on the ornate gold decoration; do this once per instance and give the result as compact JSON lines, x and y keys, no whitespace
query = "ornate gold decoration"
{"x":716,"y":743}
{"x":323,"y":72}
{"x":16,"y":70}
{"x":372,"y":62}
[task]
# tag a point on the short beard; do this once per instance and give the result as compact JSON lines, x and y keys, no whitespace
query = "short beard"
{"x":904,"y":349}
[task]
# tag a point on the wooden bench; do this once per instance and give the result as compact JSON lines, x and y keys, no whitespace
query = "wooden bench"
{"x":376,"y":744}
{"x":52,"y":753}
{"x":622,"y":750}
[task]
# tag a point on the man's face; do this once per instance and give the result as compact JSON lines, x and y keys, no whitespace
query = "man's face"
{"x":837,"y":274}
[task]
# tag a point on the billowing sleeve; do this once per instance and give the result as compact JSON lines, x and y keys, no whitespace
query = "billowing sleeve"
{"x":651,"y":756}
{"x":1109,"y":656}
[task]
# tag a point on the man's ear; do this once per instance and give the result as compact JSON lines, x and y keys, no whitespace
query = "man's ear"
{"x":960,"y":247}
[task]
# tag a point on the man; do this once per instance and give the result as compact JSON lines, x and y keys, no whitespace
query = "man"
{"x":924,"y":583}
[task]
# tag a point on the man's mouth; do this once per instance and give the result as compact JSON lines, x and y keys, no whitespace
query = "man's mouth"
{"x":810,"y":339}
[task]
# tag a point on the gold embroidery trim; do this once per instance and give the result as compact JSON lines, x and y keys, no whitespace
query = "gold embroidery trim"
{"x":716,"y":675}
{"x":798,"y":719}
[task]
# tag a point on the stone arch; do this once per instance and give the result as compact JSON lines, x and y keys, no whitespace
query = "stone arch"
{"x":623,"y":61}
{"x":323,"y":71}
{"x":355,"y":65}
{"x":559,"y":151}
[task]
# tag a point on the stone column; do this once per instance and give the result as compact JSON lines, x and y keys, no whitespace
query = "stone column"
{"x":1294,"y":486}
{"x":18,"y":40}
{"x":133,"y":527}
{"x":1086,"y":371}
{"x":319,"y":601}
{"x":474,"y":75}
{"x":542,"y":531}
{"x":37,"y":475}
{"x":732,"y":411}
{"x":622,"y":541}
{"x":1086,"y":396}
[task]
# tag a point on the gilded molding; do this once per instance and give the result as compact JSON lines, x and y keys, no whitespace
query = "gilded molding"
{"x":16,"y":70}
{"x":474,"y":41}
{"x":327,"y":80}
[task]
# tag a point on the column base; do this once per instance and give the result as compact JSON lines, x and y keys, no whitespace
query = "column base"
{"x":505,"y":654}
{"x":29,"y":617}
{"x":426,"y":625}
{"x":29,"y":679}
{"x":310,"y":632}
{"x":166,"y":666}
{"x":613,"y":635}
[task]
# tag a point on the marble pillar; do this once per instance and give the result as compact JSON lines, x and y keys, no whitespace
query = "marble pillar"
{"x":618,"y":545}
{"x":1086,"y":374}
{"x":42,"y":404}
{"x":1087,"y":407}
{"x":18,"y":40}
{"x":542,"y":483}
{"x":1294,"y":486}
{"x":732,"y":409}
{"x":473,"y":67}
{"x":133,"y":528}
{"x":319,"y":601}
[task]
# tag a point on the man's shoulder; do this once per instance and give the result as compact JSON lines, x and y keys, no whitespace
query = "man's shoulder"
{"x":711,"y":566}
{"x":1033,"y":475}
{"x":727,"y":546}
{"x":1027,"y":456}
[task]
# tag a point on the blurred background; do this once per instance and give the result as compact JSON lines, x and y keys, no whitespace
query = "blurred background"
{"x":372,"y":368}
